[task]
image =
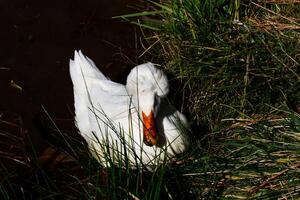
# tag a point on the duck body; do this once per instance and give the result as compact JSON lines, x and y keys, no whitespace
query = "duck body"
{"x":132,"y":123}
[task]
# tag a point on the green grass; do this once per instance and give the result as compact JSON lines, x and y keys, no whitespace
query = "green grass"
{"x":237,"y":63}
{"x":229,"y":61}
{"x":67,"y":170}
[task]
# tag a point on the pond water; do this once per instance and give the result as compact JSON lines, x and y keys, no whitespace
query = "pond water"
{"x":37,"y":39}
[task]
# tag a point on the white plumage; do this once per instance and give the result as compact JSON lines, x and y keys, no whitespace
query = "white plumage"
{"x":112,"y":117}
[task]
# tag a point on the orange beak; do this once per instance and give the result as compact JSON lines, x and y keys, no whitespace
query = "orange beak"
{"x":149,"y":130}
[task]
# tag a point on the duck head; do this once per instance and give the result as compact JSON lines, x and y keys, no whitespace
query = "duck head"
{"x":147,"y":84}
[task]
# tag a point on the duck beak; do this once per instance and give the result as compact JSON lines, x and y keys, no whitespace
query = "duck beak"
{"x":149,"y":129}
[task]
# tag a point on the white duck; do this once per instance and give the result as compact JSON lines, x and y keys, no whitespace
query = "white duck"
{"x":131,"y":124}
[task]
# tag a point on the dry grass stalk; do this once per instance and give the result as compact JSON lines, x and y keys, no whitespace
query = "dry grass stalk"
{"x":271,"y":24}
{"x":283,"y":1}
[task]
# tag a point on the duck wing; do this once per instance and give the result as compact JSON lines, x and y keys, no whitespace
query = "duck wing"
{"x":84,"y":66}
{"x":172,"y":126}
{"x":97,"y":99}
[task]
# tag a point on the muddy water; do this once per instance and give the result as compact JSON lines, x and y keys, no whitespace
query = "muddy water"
{"x":37,"y":38}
